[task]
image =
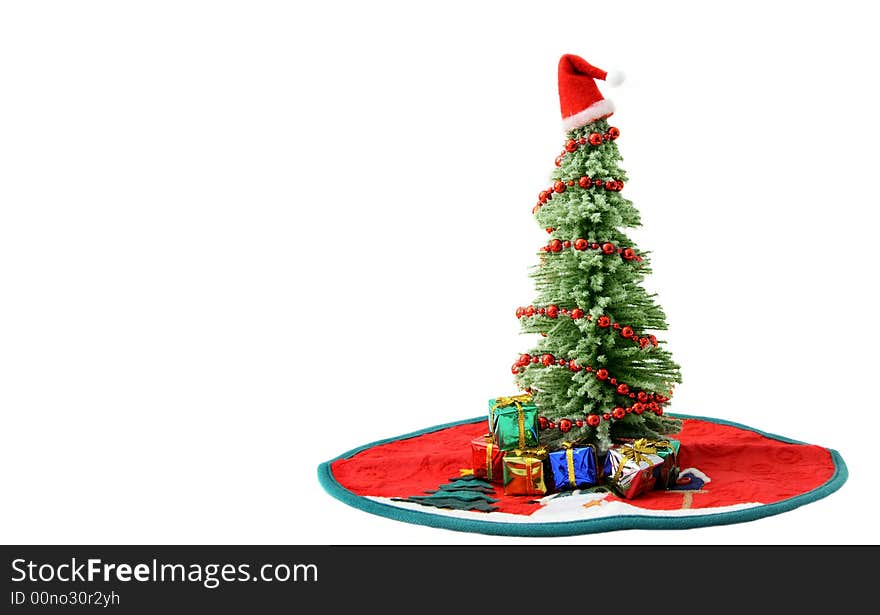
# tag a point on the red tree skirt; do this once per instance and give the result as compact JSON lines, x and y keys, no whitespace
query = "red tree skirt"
{"x":735,"y":473}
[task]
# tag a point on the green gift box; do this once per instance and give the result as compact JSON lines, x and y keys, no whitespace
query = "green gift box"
{"x":513,"y":422}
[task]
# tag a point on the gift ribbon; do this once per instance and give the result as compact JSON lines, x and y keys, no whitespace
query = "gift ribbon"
{"x":636,"y":452}
{"x":489,"y":460}
{"x":518,"y":401}
{"x":569,"y":458}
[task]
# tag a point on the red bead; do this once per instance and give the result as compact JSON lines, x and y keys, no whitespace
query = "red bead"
{"x":555,"y":245}
{"x":519,"y":312}
{"x":542,"y":196}
{"x":608,"y":248}
{"x":602,"y":374}
{"x":558,"y":161}
{"x":610,"y":185}
{"x":606,"y":416}
{"x":543,"y":423}
{"x":552,"y":311}
{"x":549,"y":229}
{"x":638,"y":408}
{"x":566,"y":244}
{"x":618,"y":413}
{"x":558,"y":186}
{"x":628,"y":409}
{"x":613,"y":132}
{"x":659,"y":411}
{"x":643,"y":397}
{"x":561,"y":362}
{"x":579,"y":423}
{"x":514,"y":370}
{"x":535,"y":359}
{"x":598,"y":183}
{"x":570,"y":182}
{"x":536,"y":208}
{"x":595,"y":138}
{"x":584,"y":182}
{"x":564,"y":425}
{"x":613,"y":381}
{"x":595,"y":246}
{"x":530,"y":311}
{"x":623,"y":389}
{"x":552,"y":425}
{"x":574,"y":366}
{"x":632,"y":395}
{"x":653,"y":339}
{"x":593,"y":420}
{"x":629,"y":254}
{"x":643,"y":342}
{"x":524,"y":359}
{"x":540,"y":310}
{"x":615,"y":326}
{"x":618,"y":186}
{"x":570,"y":146}
{"x":577,"y":313}
{"x":588,"y":368}
{"x":548,"y":359}
{"x":580,"y":244}
{"x":582,"y":141}
{"x":603,"y":321}
{"x":627,"y":332}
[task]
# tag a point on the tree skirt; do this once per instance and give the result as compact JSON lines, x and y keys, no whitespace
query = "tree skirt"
{"x":730,"y":473}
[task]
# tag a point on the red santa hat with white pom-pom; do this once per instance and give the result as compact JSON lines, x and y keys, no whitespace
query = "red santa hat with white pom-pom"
{"x":580,"y":100}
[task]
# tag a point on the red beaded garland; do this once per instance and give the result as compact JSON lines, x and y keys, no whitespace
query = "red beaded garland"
{"x":602,"y":374}
{"x":543,"y":423}
{"x":547,"y":359}
{"x":584,"y":182}
{"x":564,"y":425}
{"x":613,"y":132}
{"x":627,"y":332}
{"x":580,"y":244}
{"x":558,"y":186}
{"x":595,"y":139}
{"x":608,"y":248}
{"x":571,"y":145}
{"x":577,"y":313}
{"x":618,"y":413}
{"x":603,"y":321}
{"x":606,"y":416}
{"x":623,"y":389}
{"x":555,"y":245}
{"x":593,"y":420}
{"x":552,"y":311}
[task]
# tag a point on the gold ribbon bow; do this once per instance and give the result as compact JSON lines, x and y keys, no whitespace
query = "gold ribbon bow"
{"x":636,"y":452}
{"x":518,"y":401}
{"x":569,"y":458}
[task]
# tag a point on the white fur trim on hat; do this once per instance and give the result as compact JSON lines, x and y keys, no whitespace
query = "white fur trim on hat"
{"x":598,"y":109}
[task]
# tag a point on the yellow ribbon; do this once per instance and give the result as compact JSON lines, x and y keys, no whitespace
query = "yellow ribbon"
{"x":569,"y":457}
{"x":489,"y":460}
{"x":518,"y":401}
{"x":636,"y":452}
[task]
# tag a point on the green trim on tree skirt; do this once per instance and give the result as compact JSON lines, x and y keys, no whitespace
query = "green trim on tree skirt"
{"x":459,"y":491}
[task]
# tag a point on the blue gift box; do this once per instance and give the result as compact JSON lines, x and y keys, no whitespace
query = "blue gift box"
{"x":573,"y":467}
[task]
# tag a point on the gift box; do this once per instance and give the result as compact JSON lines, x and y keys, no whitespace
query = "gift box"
{"x":632,"y":468}
{"x":573,"y":467}
{"x":513,"y":422}
{"x":524,"y":472}
{"x":487,"y":459}
{"x":667,"y":474}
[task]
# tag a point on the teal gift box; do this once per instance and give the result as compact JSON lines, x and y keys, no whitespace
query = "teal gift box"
{"x":667,"y":474}
{"x":513,"y":422}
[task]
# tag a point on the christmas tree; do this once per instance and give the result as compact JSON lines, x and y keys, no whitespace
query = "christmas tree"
{"x":598,"y":372}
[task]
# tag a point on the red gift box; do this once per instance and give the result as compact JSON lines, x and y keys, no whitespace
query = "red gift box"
{"x":487,"y":459}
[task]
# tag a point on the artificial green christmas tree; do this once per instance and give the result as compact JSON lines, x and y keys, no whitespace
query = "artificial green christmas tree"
{"x":598,"y":372}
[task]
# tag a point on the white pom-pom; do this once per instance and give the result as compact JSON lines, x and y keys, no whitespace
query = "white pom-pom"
{"x":614,"y":78}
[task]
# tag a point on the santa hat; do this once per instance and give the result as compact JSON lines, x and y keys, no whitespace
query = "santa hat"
{"x":580,"y":100}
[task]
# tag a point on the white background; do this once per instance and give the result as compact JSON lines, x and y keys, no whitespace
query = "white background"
{"x":237,"y":239}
